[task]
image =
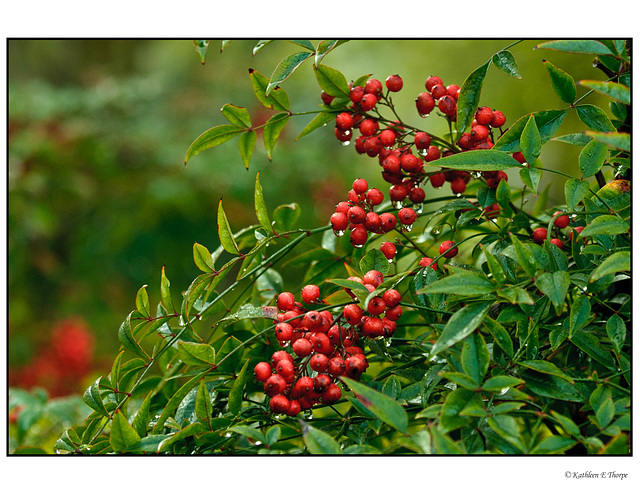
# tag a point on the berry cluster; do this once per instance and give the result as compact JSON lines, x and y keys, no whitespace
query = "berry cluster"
{"x":561,"y":221}
{"x":324,"y":348}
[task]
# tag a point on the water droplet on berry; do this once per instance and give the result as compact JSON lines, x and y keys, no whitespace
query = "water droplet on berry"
{"x":457,"y":195}
{"x":339,"y":233}
{"x":388,"y":147}
{"x":407,"y":228}
{"x":358,"y":246}
{"x":418,"y":207}
{"x":573,"y":215}
{"x":390,"y":260}
{"x":423,"y":152}
{"x":345,"y":143}
{"x":423,"y":115}
{"x":388,"y":343}
{"x":399,"y":204}
{"x":227,"y":435}
{"x":476,"y":175}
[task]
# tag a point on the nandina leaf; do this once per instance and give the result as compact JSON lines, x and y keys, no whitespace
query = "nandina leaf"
{"x":202,"y":258}
{"x":547,"y":122}
{"x":277,"y":98}
{"x":238,"y":116}
{"x":165,"y":292}
{"x":246,"y":145}
{"x":175,"y":400}
{"x":606,"y":225}
{"x":595,"y":118}
{"x":577,"y":46}
{"x":211,"y":138}
{"x":203,"y":407}
{"x":194,"y":354}
{"x":324,"y":47}
{"x":475,"y":357}
{"x":561,"y":82}
{"x":318,"y":441}
{"x":500,"y":382}
{"x":555,"y":286}
{"x":618,"y":140}
{"x":201,"y":47}
{"x":616,"y":331}
{"x":579,"y":315}
{"x":463,"y":282}
{"x":461,"y":324}
{"x":122,"y":434}
{"x":469,"y":97}
{"x":318,"y":121}
{"x":482,"y":160}
{"x":142,"y":302}
{"x":619,"y":261}
{"x":331,"y":81}
{"x":530,"y":142}
{"x":612,"y":89}
{"x":592,"y":158}
{"x":125,"y":336}
{"x":260,"y":206}
{"x":525,"y":258}
{"x":546,"y":367}
{"x":237,"y":390}
{"x":271,"y":131}
{"x":92,"y":398}
{"x":575,"y":190}
{"x":505,"y":61}
{"x":141,"y":420}
{"x":224,"y":232}
{"x":590,"y":344}
{"x":285,"y":68}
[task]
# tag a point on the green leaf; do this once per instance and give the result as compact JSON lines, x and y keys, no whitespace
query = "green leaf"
{"x":273,"y":434}
{"x":141,"y":420}
{"x":188,"y":431}
{"x":506,"y":62}
{"x":271,"y":131}
{"x":507,"y":428}
{"x":324,"y":47}
{"x":500,"y":382}
{"x":201,"y":47}
{"x":592,"y":158}
{"x":304,"y":44}
{"x":195,"y":290}
{"x":592,"y":47}
{"x":494,"y":265}
{"x":463,"y":282}
{"x":561,"y":82}
{"x":142,"y":302}
{"x":91,"y":397}
{"x":443,"y":443}
{"x":260,"y":45}
{"x":545,"y":367}
{"x":196,"y":354}
{"x":605,"y":225}
{"x":574,"y":191}
{"x":249,"y":432}
{"x":246,"y":145}
{"x":500,"y":335}
{"x":579,"y":315}
{"x":475,"y":357}
{"x":461,"y":379}
{"x":332,"y":81}
{"x":127,"y":340}
{"x":555,"y":286}
{"x":285,"y":68}
{"x":553,"y":445}
{"x":618,"y":140}
{"x":286,"y":217}
{"x":203,"y":407}
{"x":461,"y":324}
{"x":525,"y":256}
{"x":503,"y":194}
{"x":516,"y":295}
{"x":238,"y":116}
{"x":547,"y":122}
{"x":578,"y":139}
{"x":318,"y":441}
{"x":122,"y":434}
{"x":211,"y":138}
{"x":567,"y":424}
{"x":175,"y":400}
{"x":551,"y":386}
{"x":165,"y":292}
{"x":531,"y":177}
{"x":616,"y":331}
{"x":383,"y":407}
{"x":202,"y":258}
{"x":318,"y":121}
{"x":456,"y":401}
{"x":530,"y":143}
{"x":594,"y":118}
{"x":614,"y":90}
{"x":469,"y":97}
{"x":277,"y":98}
{"x":374,"y":260}
{"x":590,"y":344}
{"x":261,"y":207}
{"x":603,"y":406}
{"x":237,"y":390}
{"x":224,"y":232}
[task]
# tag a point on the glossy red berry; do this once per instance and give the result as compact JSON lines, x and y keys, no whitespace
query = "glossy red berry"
{"x":422,"y":140}
{"x":326,"y":98}
{"x":343,"y":136}
{"x":279,"y":404}
{"x":398,"y":192}
{"x":448,"y":249}
{"x":393,"y":314}
{"x":372,"y":222}
{"x":577,"y":230}
{"x":294,"y":408}
{"x":458,"y":185}
{"x":391,"y":164}
{"x":321,"y":343}
{"x":339,"y":221}
{"x":319,"y":363}
{"x":539,"y":235}
{"x":407,"y":216}
{"x":373,"y":86}
{"x":262,"y":371}
{"x":376,"y":306}
{"x":479,"y":133}
{"x":374,"y":196}
{"x":310,"y":293}
{"x":336,"y":366}
{"x":447,"y":105}
{"x":388,"y":249}
{"x":498,"y":119}
{"x":437,"y":180}
{"x":409,"y":162}
{"x":321,"y":383}
{"x":283,"y":331}
{"x":417,"y":195}
{"x":431,"y":82}
{"x":433,"y":153}
{"x":438,"y":91}
{"x":355,"y":366}
{"x":425,"y":104}
{"x":426,"y":261}
{"x":387,"y":138}
{"x":278,"y":356}
{"x":373,"y":277}
{"x":561,"y":221}
{"x":356,"y":214}
{"x":453,"y":90}
{"x":557,"y":242}
{"x":368,"y":102}
{"x":356,"y":94}
{"x":285,"y":368}
{"x":302,"y":347}
{"x":391,"y":298}
{"x":358,"y":235}
{"x":332,"y":394}
{"x":484,"y":115}
{"x":388,"y":221}
{"x":353,"y":314}
{"x":372,"y":146}
{"x":394,"y":83}
{"x":369,"y":127}
{"x":372,"y":327}
{"x":286,"y":301}
{"x":274,"y":385}
{"x":344,"y":121}
{"x":360,"y":186}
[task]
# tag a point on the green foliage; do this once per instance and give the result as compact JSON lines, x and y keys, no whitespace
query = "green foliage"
{"x":513,"y":346}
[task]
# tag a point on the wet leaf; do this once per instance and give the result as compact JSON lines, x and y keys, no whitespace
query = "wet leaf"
{"x":277,"y":98}
{"x":547,"y":122}
{"x":202,"y":258}
{"x":577,"y":46}
{"x":332,"y":81}
{"x":201,"y":47}
{"x":614,"y":90}
{"x":469,"y":97}
{"x":561,"y":82}
{"x":461,"y":324}
{"x":318,"y":441}
{"x":238,"y":116}
{"x":318,"y":121}
{"x":618,"y":140}
{"x":122,"y":434}
{"x":211,"y":138}
{"x":224,"y":232}
{"x":271,"y":131}
{"x":285,"y":68}
{"x":592,"y":158}
{"x":530,"y":143}
{"x":246,"y":145}
{"x":605,"y":225}
{"x":506,"y":62}
{"x":595,"y":118}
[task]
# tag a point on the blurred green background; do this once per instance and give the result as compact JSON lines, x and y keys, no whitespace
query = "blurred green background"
{"x":99,"y":198}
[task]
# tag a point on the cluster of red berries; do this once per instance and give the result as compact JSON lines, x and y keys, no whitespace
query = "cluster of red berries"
{"x":357,"y":215}
{"x":561,"y":221}
{"x":324,"y":348}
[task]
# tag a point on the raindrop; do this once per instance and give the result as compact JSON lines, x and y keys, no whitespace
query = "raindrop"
{"x":407,"y":228}
{"x":476,"y":174}
{"x":399,"y":204}
{"x":390,"y":261}
{"x":345,"y":143}
{"x":423,"y":115}
{"x":388,"y":344}
{"x":458,"y":195}
{"x":339,"y":233}
{"x":388,"y":147}
{"x":423,"y":152}
{"x":436,"y":230}
{"x":227,"y":435}
{"x":573,"y":215}
{"x":418,"y":207}
{"x":358,"y":246}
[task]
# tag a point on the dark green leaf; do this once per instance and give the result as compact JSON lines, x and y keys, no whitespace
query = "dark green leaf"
{"x":574,"y":191}
{"x":503,"y":194}
{"x":567,"y":424}
{"x":249,"y":432}
{"x":202,"y":258}
{"x":211,"y":138}
{"x":516,"y":295}
{"x":494,"y":265}
{"x":285,"y":68}
{"x":500,"y":335}
{"x":383,"y":407}
{"x":500,"y":382}
{"x":318,"y":441}
{"x":196,"y":354}
{"x":142,"y":302}
{"x":463,"y":282}
{"x":603,"y":406}
{"x":318,"y":121}
{"x":443,"y":443}
{"x":324,"y":47}
{"x":577,"y":46}
{"x":555,"y":286}
{"x":618,"y":140}
{"x":277,"y":98}
{"x":374,"y":260}
{"x":224,"y":232}
{"x":195,"y":290}
{"x":175,"y":400}
{"x":561,"y":82}
{"x":505,"y":61}
{"x":332,"y":81}
{"x":286,"y":217}
{"x":237,"y":391}
{"x":531,"y":177}
{"x":616,"y":331}
{"x":590,"y":344}
{"x":460,"y":379}
{"x":246,"y":145}
{"x":271,"y":131}
{"x":578,"y":139}
{"x":545,"y":367}
{"x":530,"y":143}
{"x":203,"y":407}
{"x":461,"y":324}
{"x":201,"y":47}
{"x":579,"y":315}
{"x":469,"y":97}
{"x":304,"y":44}
{"x":122,"y":434}
{"x":547,"y":121}
{"x":141,"y":420}
{"x":525,"y":257}
{"x":594,"y":118}
{"x":553,"y":445}
{"x":127,"y":340}
{"x":475,"y":357}
{"x":92,"y":398}
{"x":456,"y":401}
{"x":606,"y":225}
{"x":592,"y":158}
{"x":238,"y":116}
{"x":507,"y":428}
{"x":612,"y":89}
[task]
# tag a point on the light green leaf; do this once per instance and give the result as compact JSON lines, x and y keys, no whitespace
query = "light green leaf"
{"x":142,"y":301}
{"x":318,"y":121}
{"x":286,"y":217}
{"x":196,"y":354}
{"x":554,"y":444}
{"x":592,"y":158}
{"x":127,"y":340}
{"x":530,"y":142}
{"x":285,"y":68}
{"x":92,"y":398}
{"x":383,"y":407}
{"x":211,"y":138}
{"x":555,"y":286}
{"x":547,"y":122}
{"x":246,"y":145}
{"x":304,"y":44}
{"x":318,"y":441}
{"x":122,"y":434}
{"x":506,"y":62}
{"x":482,"y":160}
{"x":463,"y":282}
{"x":507,"y":428}
{"x":141,"y":420}
{"x":332,"y":81}
{"x":237,"y":390}
{"x":615,"y":90}
{"x":561,"y":82}
{"x":574,"y":191}
{"x":201,"y":47}
{"x":525,"y":256}
{"x":500,"y":382}
{"x":605,"y":225}
{"x":277,"y":98}
{"x":324,"y":47}
{"x":500,"y":335}
{"x":579,"y":315}
{"x":469,"y":97}
{"x":202,"y":258}
{"x":531,"y":177}
{"x":577,"y":46}
{"x":175,"y":400}
{"x":618,"y":140}
{"x":616,"y":331}
{"x":461,"y":324}
{"x":374,"y":260}
{"x":238,"y":116}
{"x":261,"y":207}
{"x":165,"y":292}
{"x":224,"y":232}
{"x":271,"y":131}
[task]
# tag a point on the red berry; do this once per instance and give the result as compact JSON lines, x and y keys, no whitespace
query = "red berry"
{"x":539,"y":235}
{"x":343,"y":207}
{"x":369,"y":127}
{"x":409,"y":162}
{"x":344,"y":121}
{"x":391,"y":164}
{"x":353,"y":314}
{"x":392,"y":298}
{"x":453,"y":90}
{"x":360,"y":186}
{"x":279,"y":404}
{"x":339,"y":221}
{"x":356,"y":214}
{"x":321,"y":343}
{"x":372,"y":327}
{"x":285,"y":368}
{"x":312,"y":320}
{"x":426,"y":261}
{"x":332,"y":394}
{"x":336,"y":366}
{"x":498,"y":119}
{"x":372,"y":222}
{"x":374,"y":196}
{"x":557,"y":242}
{"x":394,"y":83}
{"x":448,"y":249}
{"x":431,"y":82}
{"x":393,"y":314}
{"x":398,"y":192}
{"x":376,"y":306}
{"x":373,"y":277}
{"x":388,"y":221}
{"x":356,"y":93}
{"x":302,"y":347}
{"x":294,"y":408}
{"x":321,"y":383}
{"x":561,"y":220}
{"x":302,"y":387}
{"x":458,"y":185}
{"x":372,"y":146}
{"x":388,"y":249}
{"x":278,"y":356}
{"x":437,"y":180}
{"x":358,"y":236}
{"x":283,"y":331}
{"x":417,"y":195}
{"x":519,"y":157}
{"x":262,"y":371}
{"x":433,"y":153}
{"x":484,"y":115}
{"x":578,"y":230}
{"x":310,"y":293}
{"x":274,"y":385}
{"x":447,"y":105}
{"x":373,"y":86}
{"x":425,"y":104}
{"x":286,"y":301}
{"x":494,"y":181}
{"x":319,"y":362}
{"x":387,"y":138}
{"x":407,"y":216}
{"x":479,"y":133}
{"x":438,"y":91}
{"x":368,"y":102}
{"x":360,"y":144}
{"x":422,"y":140}
{"x":326,"y":98}
{"x":355,"y":366}
{"x":493,"y":210}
